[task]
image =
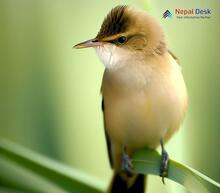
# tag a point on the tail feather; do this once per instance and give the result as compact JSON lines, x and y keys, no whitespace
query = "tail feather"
{"x":120,"y":185}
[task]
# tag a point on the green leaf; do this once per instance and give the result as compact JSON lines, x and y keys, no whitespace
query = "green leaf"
{"x":57,"y":175}
{"x":58,"y":178}
{"x":147,"y":161}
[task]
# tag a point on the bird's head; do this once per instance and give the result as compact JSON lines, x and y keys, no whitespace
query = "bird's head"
{"x":126,"y":34}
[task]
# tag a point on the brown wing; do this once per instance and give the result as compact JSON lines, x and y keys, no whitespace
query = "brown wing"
{"x":106,"y":136}
{"x":174,"y":57}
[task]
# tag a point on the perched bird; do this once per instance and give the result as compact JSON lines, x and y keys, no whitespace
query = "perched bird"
{"x":144,"y":94}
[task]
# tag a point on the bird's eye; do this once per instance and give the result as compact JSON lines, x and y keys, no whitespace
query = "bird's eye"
{"x":122,"y":40}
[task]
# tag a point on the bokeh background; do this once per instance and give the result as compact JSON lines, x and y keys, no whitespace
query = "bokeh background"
{"x":50,"y":94}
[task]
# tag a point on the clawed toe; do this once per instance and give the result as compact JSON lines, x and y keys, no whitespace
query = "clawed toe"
{"x":127,"y":165}
{"x":164,"y":163}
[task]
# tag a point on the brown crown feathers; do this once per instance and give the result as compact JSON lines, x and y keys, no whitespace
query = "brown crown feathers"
{"x":141,"y":30}
{"x":115,"y":22}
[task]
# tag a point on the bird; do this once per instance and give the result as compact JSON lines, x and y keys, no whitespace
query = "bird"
{"x":144,"y":93}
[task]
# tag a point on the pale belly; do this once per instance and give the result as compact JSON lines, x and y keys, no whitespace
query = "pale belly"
{"x":139,"y":121}
{"x":144,"y":117}
{"x":140,"y":113}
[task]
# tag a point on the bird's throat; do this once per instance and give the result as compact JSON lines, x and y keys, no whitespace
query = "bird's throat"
{"x":112,"y":56}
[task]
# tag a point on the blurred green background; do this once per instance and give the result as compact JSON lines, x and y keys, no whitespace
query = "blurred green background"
{"x":50,"y":94}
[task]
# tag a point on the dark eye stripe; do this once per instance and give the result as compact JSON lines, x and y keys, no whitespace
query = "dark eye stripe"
{"x":120,"y":40}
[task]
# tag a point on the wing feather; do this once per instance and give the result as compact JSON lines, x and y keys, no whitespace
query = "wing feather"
{"x":106,"y":136}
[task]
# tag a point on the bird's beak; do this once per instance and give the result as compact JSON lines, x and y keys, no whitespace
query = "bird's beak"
{"x":89,"y":43}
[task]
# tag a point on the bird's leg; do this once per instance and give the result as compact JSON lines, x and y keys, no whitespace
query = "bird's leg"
{"x":164,"y":162}
{"x":126,"y":163}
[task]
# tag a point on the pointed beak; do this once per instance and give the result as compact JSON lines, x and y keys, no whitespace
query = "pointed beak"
{"x":89,"y":43}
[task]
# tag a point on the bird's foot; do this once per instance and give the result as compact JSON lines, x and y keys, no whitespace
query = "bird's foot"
{"x":127,"y":165}
{"x":164,"y":165}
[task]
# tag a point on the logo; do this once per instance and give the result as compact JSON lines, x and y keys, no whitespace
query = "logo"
{"x":166,"y":14}
{"x":188,"y":13}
